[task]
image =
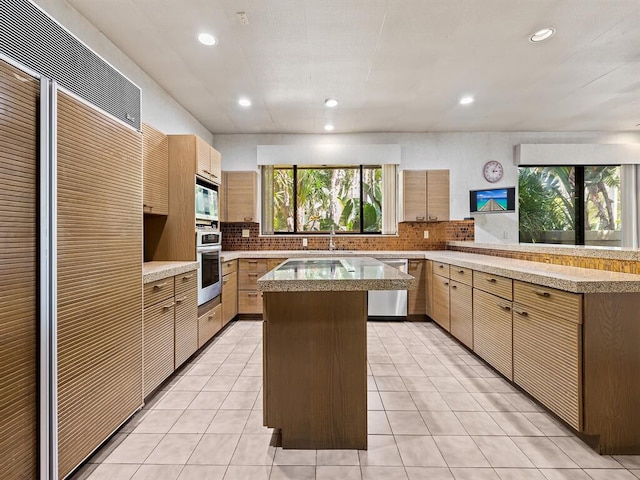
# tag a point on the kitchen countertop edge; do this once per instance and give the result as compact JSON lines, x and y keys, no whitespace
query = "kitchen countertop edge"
{"x":154,"y":271}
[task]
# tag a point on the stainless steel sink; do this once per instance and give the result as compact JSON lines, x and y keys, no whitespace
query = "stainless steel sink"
{"x":316,"y":264}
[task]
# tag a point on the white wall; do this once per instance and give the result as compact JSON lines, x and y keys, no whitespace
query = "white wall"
{"x":464,"y":154}
{"x":159,"y":109}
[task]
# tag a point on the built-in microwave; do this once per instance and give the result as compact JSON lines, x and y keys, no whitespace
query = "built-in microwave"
{"x":206,"y":203}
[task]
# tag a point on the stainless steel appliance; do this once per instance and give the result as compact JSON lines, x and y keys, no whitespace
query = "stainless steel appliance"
{"x":208,"y":250}
{"x":206,"y":203}
{"x":389,"y":304}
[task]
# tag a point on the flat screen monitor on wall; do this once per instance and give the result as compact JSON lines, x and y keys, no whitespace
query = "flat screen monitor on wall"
{"x":495,"y":200}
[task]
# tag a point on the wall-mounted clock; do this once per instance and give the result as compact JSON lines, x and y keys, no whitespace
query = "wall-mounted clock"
{"x":493,"y":171}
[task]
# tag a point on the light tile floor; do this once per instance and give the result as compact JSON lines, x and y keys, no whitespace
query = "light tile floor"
{"x":435,"y":412}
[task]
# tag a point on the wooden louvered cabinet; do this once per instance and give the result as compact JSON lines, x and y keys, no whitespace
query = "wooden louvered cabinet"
{"x":492,"y":331}
{"x":441,"y":312}
{"x":240,"y":197}
{"x":424,"y":195}
{"x":416,"y":299}
{"x":158,"y":343}
{"x":229,"y":291}
{"x":19,"y":131}
{"x":547,"y":348}
{"x":155,"y":155}
{"x":186,"y":316}
{"x":209,"y":321}
{"x":208,"y":161}
{"x":99,"y":278}
{"x":461,"y":312}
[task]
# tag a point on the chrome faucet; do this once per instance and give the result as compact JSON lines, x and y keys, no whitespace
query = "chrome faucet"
{"x":332,"y":246}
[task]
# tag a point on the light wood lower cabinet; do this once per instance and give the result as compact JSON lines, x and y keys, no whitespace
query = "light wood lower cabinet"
{"x":229,"y":297}
{"x":157,"y":348}
{"x":209,"y":323}
{"x":186,"y":320}
{"x":416,"y":299}
{"x":492,"y":331}
{"x":547,"y":361}
{"x":249,"y":271}
{"x":461,"y":312}
{"x":440,"y":312}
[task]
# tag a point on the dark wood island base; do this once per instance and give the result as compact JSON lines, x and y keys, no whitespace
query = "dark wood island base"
{"x":315,"y":368}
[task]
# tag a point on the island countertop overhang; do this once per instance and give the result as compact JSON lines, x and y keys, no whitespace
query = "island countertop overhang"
{"x":306,"y":276}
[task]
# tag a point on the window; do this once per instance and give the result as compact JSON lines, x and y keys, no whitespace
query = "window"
{"x":299,"y":199}
{"x":578,"y":205}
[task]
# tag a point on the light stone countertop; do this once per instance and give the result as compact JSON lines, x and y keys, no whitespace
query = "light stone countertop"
{"x":329,"y":274}
{"x":590,"y":251}
{"x":284,"y":254}
{"x":153,"y":271}
{"x":571,"y":279}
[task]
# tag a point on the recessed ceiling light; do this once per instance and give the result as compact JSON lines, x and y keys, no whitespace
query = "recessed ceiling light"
{"x":244,"y":102}
{"x":466,"y":100}
{"x":207,"y":39}
{"x":331,"y":102}
{"x":328,"y":127}
{"x":542,"y":34}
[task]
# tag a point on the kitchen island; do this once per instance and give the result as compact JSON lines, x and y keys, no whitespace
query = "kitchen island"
{"x":315,"y":348}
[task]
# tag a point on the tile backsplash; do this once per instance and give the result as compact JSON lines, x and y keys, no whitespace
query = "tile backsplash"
{"x":410,"y":237}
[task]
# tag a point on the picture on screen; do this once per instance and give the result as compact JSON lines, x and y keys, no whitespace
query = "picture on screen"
{"x":492,"y":201}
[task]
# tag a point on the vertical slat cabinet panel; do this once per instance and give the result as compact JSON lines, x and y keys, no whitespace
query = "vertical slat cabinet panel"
{"x":441,"y":301}
{"x":158,"y":344}
{"x":414,"y":195}
{"x":99,"y":278}
{"x":461,"y":299}
{"x":216,"y":165}
{"x":428,"y":275}
{"x":241,"y":190}
{"x":493,"y":331}
{"x":209,"y":323}
{"x":155,"y":152}
{"x":437,"y":195}
{"x":186,"y":322}
{"x":203,"y":158}
{"x":229,"y":297}
{"x":417,"y":303}
{"x":19,"y":98}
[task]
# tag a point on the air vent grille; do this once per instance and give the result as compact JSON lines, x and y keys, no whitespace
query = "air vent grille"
{"x":30,"y":36}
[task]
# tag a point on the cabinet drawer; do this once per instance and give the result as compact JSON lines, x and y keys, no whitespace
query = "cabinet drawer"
{"x":158,"y":291}
{"x":461,"y":274}
{"x":494,"y":284}
{"x":461,"y":312}
{"x":229,"y":267}
{"x":441,"y":269}
{"x":186,"y":282}
{"x":547,"y":361}
{"x":252,"y":264}
{"x":493,"y":331}
{"x":249,"y":301}
{"x":248,"y":280}
{"x":186,"y":326}
{"x":209,"y":324}
{"x":157,"y":346}
{"x":549,"y":300}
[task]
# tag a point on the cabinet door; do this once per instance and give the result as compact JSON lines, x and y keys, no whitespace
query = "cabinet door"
{"x":158,"y":344}
{"x":437,"y":195}
{"x":203,"y":158}
{"x":186,"y":324}
{"x":249,"y":302}
{"x":428,"y":275}
{"x":155,"y":155}
{"x":229,"y":297}
{"x":414,"y":196}
{"x":416,"y":299}
{"x":216,"y":166}
{"x":493,"y":331}
{"x":547,"y":361}
{"x":209,"y":324}
{"x":19,"y":134}
{"x":461,"y":301}
{"x":441,"y":301}
{"x":241,"y":196}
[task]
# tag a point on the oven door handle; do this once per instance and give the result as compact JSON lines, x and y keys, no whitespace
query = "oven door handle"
{"x":209,"y":249}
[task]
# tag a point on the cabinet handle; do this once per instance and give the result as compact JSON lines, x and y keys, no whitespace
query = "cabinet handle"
{"x":433,"y":217}
{"x":419,"y":219}
{"x":491,"y":280}
{"x":506,"y":308}
{"x":187,"y":277}
{"x":252,"y":261}
{"x":180,"y":300}
{"x":440,"y":266}
{"x":209,"y":317}
{"x":252,"y":294}
{"x":224,"y":281}
{"x":160,"y":285}
{"x":166,"y":307}
{"x":414,"y":263}
{"x":521,"y":312}
{"x":542,"y":293}
{"x":461,"y":272}
{"x":252,"y":274}
{"x":454,"y":286}
{"x":446,"y":283}
{"x":248,"y":219}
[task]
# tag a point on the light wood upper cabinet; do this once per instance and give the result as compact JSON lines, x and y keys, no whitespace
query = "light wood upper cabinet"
{"x":216,"y":165}
{"x":424,"y":195}
{"x":208,"y":161}
{"x":155,"y":157}
{"x":240,"y":197}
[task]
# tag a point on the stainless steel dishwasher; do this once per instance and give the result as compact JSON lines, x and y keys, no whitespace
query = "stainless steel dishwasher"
{"x":389,"y":304}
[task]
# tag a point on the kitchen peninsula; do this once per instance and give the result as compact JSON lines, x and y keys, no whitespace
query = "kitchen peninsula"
{"x":315,"y":348}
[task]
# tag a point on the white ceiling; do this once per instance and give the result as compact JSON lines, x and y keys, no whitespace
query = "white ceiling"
{"x":394,"y":65}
